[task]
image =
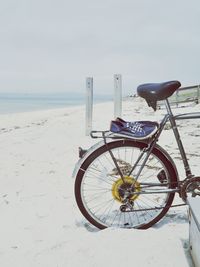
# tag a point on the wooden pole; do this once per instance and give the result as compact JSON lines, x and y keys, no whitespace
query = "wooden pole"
{"x":117,"y":95}
{"x":89,"y":105}
{"x":198,"y":94}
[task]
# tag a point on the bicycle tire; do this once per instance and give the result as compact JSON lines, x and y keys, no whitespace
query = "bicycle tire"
{"x":82,"y":179}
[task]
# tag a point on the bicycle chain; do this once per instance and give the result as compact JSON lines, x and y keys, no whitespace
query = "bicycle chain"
{"x":156,"y":208}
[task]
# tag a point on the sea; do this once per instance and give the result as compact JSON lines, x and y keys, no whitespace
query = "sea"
{"x":15,"y":103}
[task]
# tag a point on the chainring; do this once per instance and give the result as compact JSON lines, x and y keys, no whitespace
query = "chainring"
{"x":190,"y":187}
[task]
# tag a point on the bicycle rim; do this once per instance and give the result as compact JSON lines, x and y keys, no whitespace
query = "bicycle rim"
{"x":99,"y":188}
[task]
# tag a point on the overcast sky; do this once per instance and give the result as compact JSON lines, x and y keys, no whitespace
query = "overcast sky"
{"x":52,"y":45}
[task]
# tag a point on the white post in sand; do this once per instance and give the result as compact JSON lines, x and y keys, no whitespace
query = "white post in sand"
{"x":117,"y":95}
{"x":89,"y":104}
{"x":198,"y":94}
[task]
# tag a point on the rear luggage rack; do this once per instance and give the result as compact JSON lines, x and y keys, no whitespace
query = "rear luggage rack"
{"x":137,"y":130}
{"x":100,"y":134}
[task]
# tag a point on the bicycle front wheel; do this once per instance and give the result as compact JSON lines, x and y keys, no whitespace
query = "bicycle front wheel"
{"x":100,"y":189}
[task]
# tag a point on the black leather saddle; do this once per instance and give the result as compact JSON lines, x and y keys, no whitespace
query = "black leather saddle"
{"x":153,"y":92}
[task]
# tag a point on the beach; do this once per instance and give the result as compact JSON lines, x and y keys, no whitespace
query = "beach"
{"x":40,"y":222}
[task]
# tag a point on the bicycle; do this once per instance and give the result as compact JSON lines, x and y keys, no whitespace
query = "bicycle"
{"x":127,"y":180}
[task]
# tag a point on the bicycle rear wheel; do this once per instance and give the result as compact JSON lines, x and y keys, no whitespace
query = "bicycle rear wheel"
{"x":99,"y":188}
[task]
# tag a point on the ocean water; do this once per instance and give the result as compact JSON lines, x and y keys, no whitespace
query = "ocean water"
{"x":14,"y":103}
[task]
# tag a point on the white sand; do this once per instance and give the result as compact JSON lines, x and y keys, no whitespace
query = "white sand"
{"x":40,"y":223}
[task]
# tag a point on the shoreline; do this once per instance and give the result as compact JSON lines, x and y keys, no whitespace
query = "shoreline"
{"x":32,"y":105}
